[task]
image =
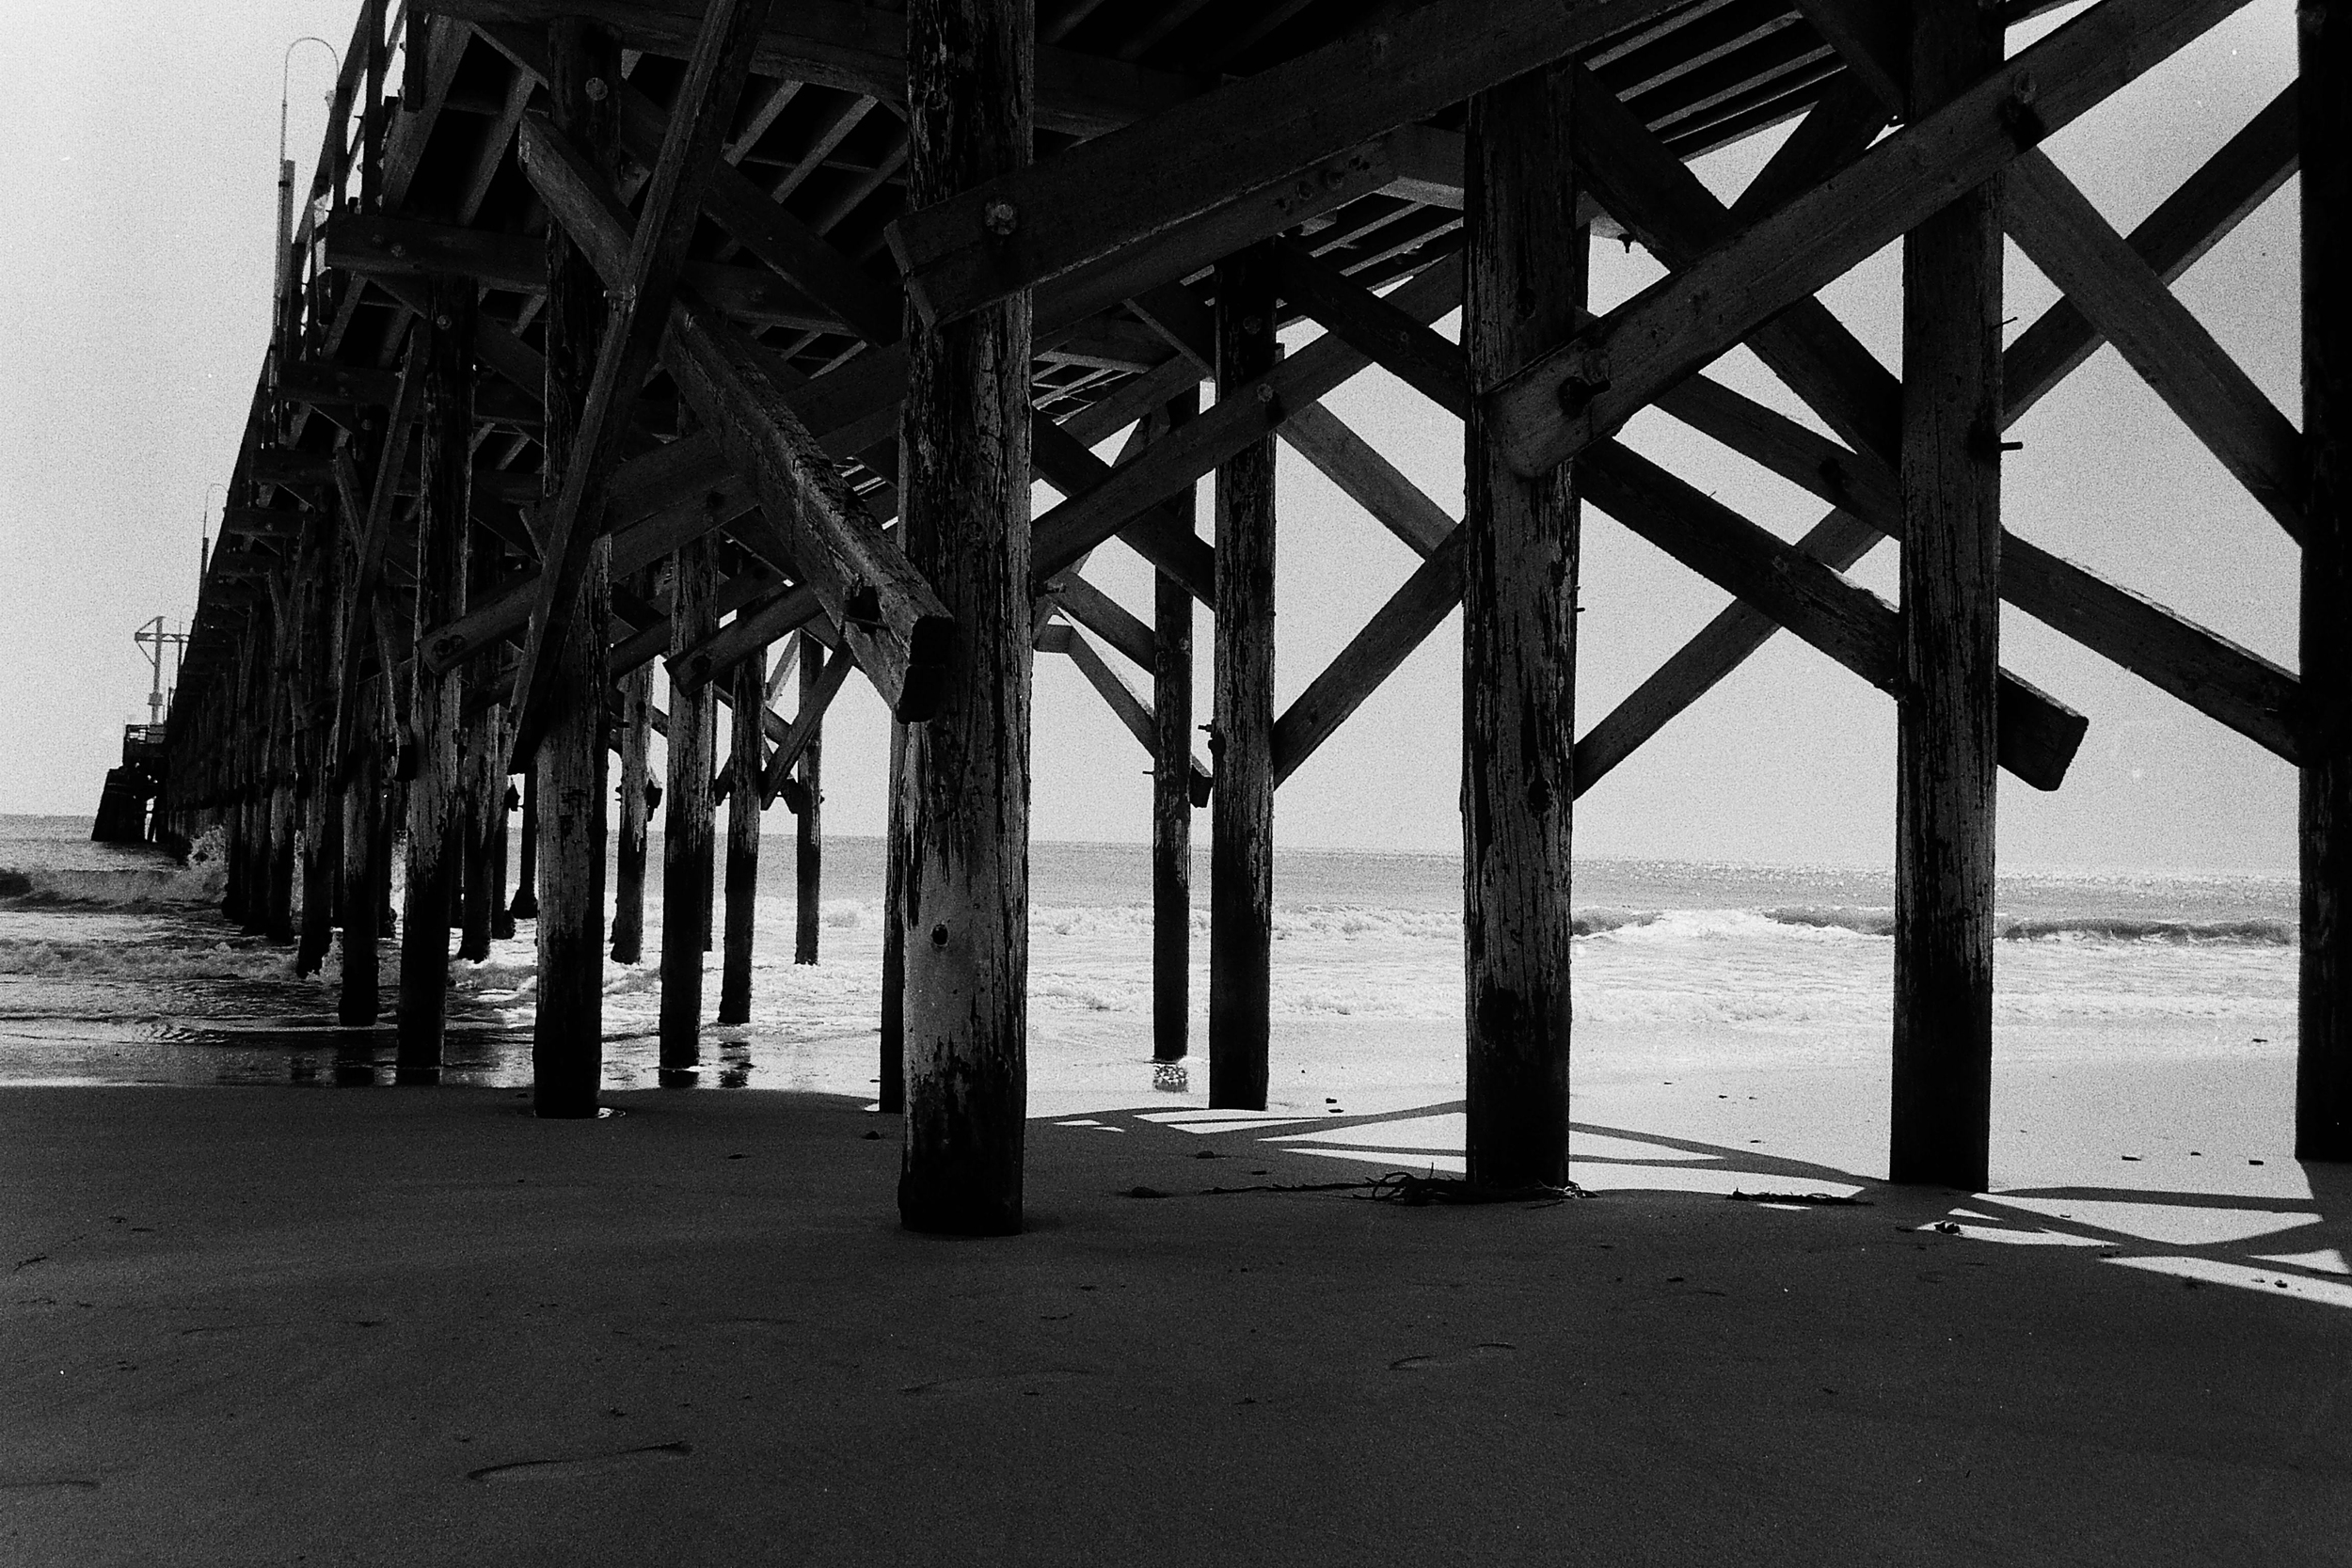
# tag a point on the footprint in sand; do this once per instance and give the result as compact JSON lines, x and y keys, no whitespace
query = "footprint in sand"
{"x":588,"y":1467}
{"x":1489,"y":1350}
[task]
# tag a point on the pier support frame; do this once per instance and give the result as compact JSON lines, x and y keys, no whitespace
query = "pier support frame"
{"x":1241,"y":819}
{"x":965,"y":507}
{"x":1524,"y":279}
{"x":2323,"y":1081}
{"x":567,"y":892}
{"x":1947,"y":742}
{"x":434,"y":822}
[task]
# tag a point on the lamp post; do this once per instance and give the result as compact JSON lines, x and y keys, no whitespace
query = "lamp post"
{"x":285,"y":176}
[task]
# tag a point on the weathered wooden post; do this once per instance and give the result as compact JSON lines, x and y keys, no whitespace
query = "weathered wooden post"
{"x":365,"y":865}
{"x":320,"y":566}
{"x":1951,"y":562}
{"x":744,"y":786}
{"x":285,"y":644}
{"x":567,"y":1031}
{"x":964,"y":505}
{"x":686,"y":847}
{"x":237,"y":890}
{"x":808,"y":839}
{"x":483,"y":767}
{"x":2323,"y":1079}
{"x":1172,"y":790}
{"x":1241,"y":816}
{"x":1524,"y":282}
{"x":525,"y":905}
{"x":435,"y":837}
{"x":503,"y":789}
{"x":638,"y":794}
{"x":891,"y":1082}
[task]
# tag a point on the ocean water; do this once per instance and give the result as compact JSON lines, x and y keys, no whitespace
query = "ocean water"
{"x":116,"y":967}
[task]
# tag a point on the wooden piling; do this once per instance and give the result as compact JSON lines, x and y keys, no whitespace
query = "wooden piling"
{"x":482,"y":763}
{"x":891,"y":1069}
{"x":364,"y":864}
{"x":317,"y":798}
{"x":501,"y":849}
{"x":1523,"y":284}
{"x":525,"y":905}
{"x":568,"y":826}
{"x":1241,"y":816}
{"x":2323,"y":1079}
{"x":686,"y":835}
{"x":744,"y":786}
{"x":436,"y":702}
{"x":808,"y":838}
{"x":1945,"y":747}
{"x":964,"y":510}
{"x":1171,"y":790}
{"x":279,"y":773}
{"x":638,"y":795}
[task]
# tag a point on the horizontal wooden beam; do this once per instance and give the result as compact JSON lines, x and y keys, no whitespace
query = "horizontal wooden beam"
{"x":761,"y":622}
{"x":862,"y":50}
{"x":1040,"y":222}
{"x":410,"y":247}
{"x":1588,"y":388}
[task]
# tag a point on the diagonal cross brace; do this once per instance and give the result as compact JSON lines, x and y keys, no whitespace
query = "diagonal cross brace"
{"x":1589,"y":386}
{"x":639,"y":311}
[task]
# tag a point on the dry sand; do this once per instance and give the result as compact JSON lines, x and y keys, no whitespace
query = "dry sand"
{"x":268,"y":1325}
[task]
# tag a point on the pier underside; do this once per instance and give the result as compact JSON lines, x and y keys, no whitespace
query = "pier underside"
{"x":733,"y":336}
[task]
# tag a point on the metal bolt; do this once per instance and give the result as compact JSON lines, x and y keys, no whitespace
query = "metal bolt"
{"x":596,"y":89}
{"x":1001,"y":217}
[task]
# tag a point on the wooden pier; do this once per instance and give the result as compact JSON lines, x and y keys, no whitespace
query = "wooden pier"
{"x":732,"y":334}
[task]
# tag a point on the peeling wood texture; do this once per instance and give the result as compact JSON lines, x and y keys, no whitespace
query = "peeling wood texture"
{"x":808,"y":838}
{"x":1241,"y":744}
{"x":964,"y":497}
{"x":639,"y":795}
{"x":742,"y":878}
{"x":567,"y":781}
{"x":1947,"y":735}
{"x":1172,"y":790}
{"x":445,"y":511}
{"x":2323,"y":1081}
{"x":1524,"y":279}
{"x":687,"y":850}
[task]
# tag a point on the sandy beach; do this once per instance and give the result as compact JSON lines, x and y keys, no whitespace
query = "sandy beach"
{"x":264,"y":1325}
{"x":261,"y":1307}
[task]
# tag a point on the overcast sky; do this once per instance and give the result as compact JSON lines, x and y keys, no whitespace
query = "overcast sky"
{"x":137,"y":146}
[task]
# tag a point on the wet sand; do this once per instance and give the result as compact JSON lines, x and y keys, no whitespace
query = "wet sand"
{"x":254,"y":1325}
